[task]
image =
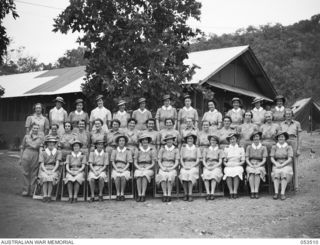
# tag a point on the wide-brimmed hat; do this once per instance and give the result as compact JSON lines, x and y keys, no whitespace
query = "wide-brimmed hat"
{"x":50,"y":138}
{"x":79,"y":101}
{"x":76,"y":141}
{"x":144,"y":136}
{"x":280,"y":97}
{"x":255,"y":133}
{"x":286,"y":135}
{"x":59,"y":99}
{"x":121,"y":136}
{"x":256,"y":100}
{"x":215,"y":137}
{"x":141,"y":100}
{"x":169,"y":137}
{"x":192,"y":135}
{"x":99,"y":142}
{"x":166,"y":97}
{"x":186,"y":96}
{"x":99,"y":97}
{"x":121,"y":102}
{"x":231,"y":135}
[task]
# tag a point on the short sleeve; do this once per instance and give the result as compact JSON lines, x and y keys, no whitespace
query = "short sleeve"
{"x":59,"y":155}
{"x":91,"y":157}
{"x":65,"y":116}
{"x":28,"y":122}
{"x":219,"y":117}
{"x":113,"y":155}
{"x":273,"y":151}
{"x":109,"y":116}
{"x":290,"y":151}
{"x":87,"y":118}
{"x":46,"y":123}
{"x":158,"y":114}
{"x":154,"y":155}
{"x":135,"y":155}
{"x":91,"y":116}
{"x":248,"y":151}
{"x":204,"y":117}
{"x":41,"y":157}
{"x":134,"y":114}
{"x":84,"y":159}
{"x":196,"y":116}
{"x":149,"y":115}
{"x":68,"y":159}
{"x":106,"y":159}
{"x":228,"y":113}
{"x":70,"y":116}
{"x":264,"y":152}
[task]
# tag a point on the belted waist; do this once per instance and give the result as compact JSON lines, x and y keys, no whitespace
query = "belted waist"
{"x":50,"y":164}
{"x":145,"y":162}
{"x":189,"y":159}
{"x":281,"y":159}
{"x":212,"y":159}
{"x":119,"y":161}
{"x":204,"y":144}
{"x":167,"y":160}
{"x":256,"y":159}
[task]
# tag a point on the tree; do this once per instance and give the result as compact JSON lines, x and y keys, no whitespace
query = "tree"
{"x":72,"y":58}
{"x":6,"y":7}
{"x":134,"y":48}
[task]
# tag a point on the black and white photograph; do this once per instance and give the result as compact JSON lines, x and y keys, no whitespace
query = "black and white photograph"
{"x":159,"y":119}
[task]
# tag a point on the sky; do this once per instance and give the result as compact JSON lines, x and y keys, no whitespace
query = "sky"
{"x":33,"y":29}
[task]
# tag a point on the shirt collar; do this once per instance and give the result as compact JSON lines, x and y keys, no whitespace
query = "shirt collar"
{"x":102,"y":108}
{"x":123,"y":150}
{"x":236,"y":110}
{"x":187,"y":109}
{"x":214,"y":111}
{"x":286,"y":122}
{"x":56,"y":109}
{"x":260,"y":109}
{"x":279,"y":108}
{"x":166,"y":108}
{"x":53,"y":152}
{"x":97,"y":153}
{"x":235,"y":146}
{"x":144,"y":150}
{"x":142,"y":111}
{"x":213,"y":149}
{"x":169,"y":149}
{"x":76,"y":155}
{"x":190,"y":148}
{"x":256,"y":147}
{"x":78,"y":113}
{"x":282,"y":146}
{"x":122,"y":113}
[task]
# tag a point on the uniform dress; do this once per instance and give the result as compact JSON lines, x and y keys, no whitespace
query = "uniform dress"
{"x":122,"y":117}
{"x":65,"y":144}
{"x":132,"y":140}
{"x":212,"y":157}
{"x":278,"y":114}
{"x":168,"y":157}
{"x":101,"y":113}
{"x":236,"y":116}
{"x":269,"y":131}
{"x":184,"y":132}
{"x":98,"y":160}
{"x":141,"y":117}
{"x":84,"y":137}
{"x":97,"y":135}
{"x":173,"y":132}
{"x":75,"y":162}
{"x":281,"y":153}
{"x":258,"y":116}
{"x":49,"y":159}
{"x":75,"y":117}
{"x":166,"y":112}
{"x":144,"y":158}
{"x":120,"y":159}
{"x":293,"y":128}
{"x":154,"y":135}
{"x":233,"y":154}
{"x":245,"y":130}
{"x":58,"y":116}
{"x":185,"y":113}
{"x":41,"y":120}
{"x":214,"y":118}
{"x":202,"y":141}
{"x":256,"y":155}
{"x":110,"y":140}
{"x":223,"y":134}
{"x":29,"y":162}
{"x":189,"y":155}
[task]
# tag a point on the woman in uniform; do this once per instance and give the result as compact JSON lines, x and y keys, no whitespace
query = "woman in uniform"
{"x":111,"y":135}
{"x":66,"y":140}
{"x":98,"y":163}
{"x":58,"y":115}
{"x":141,"y":115}
{"x":84,"y":137}
{"x":132,"y":133}
{"x":121,"y":114}
{"x":225,"y":131}
{"x":256,"y":155}
{"x":165,"y":112}
{"x":100,"y":112}
{"x":234,"y":158}
{"x":38,"y":118}
{"x":269,"y":130}
{"x":202,"y":141}
{"x":189,"y":128}
{"x":121,"y":159}
{"x":246,"y":129}
{"x":29,"y":158}
{"x":77,"y":115}
{"x":189,"y":172}
{"x":153,"y":134}
{"x":187,"y":112}
{"x":144,"y":161}
{"x":75,"y":174}
{"x":213,"y":116}
{"x":49,"y":160}
{"x":212,"y":171}
{"x":236,"y":113}
{"x":168,"y":161}
{"x":258,"y":112}
{"x":278,"y":110}
{"x":282,"y":171}
{"x":169,"y":122}
{"x":54,"y":128}
{"x":98,"y":133}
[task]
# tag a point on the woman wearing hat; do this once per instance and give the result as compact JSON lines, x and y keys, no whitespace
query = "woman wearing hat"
{"x":78,"y":114}
{"x":102,"y":113}
{"x":189,"y":173}
{"x":189,"y":128}
{"x":132,"y":133}
{"x":49,"y":160}
{"x":141,"y":115}
{"x":66,"y":140}
{"x":234,"y":158}
{"x":246,"y":129}
{"x":269,"y":130}
{"x":97,"y":134}
{"x":144,"y":161}
{"x":236,"y":113}
{"x":168,"y":161}
{"x":121,"y":159}
{"x":121,"y":114}
{"x":202,"y":141}
{"x":39,"y":119}
{"x":278,"y":110}
{"x":58,"y":115}
{"x":75,"y":174}
{"x":256,"y":155}
{"x":169,"y":122}
{"x":258,"y":112}
{"x":212,"y":171}
{"x":84,"y":137}
{"x":111,"y":136}
{"x":153,"y":134}
{"x":225,"y":131}
{"x":98,"y":163}
{"x":282,"y":171}
{"x":187,"y":112}
{"x":29,"y":155}
{"x":213,"y":116}
{"x":164,"y":112}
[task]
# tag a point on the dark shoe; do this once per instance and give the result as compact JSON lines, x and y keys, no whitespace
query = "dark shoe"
{"x":164,"y":199}
{"x":91,"y":199}
{"x":212,"y":197}
{"x":252,"y":195}
{"x":44,"y":199}
{"x":190,"y":198}
{"x":49,"y":199}
{"x":283,"y":197}
{"x":185,"y":198}
{"x":235,"y":196}
{"x":70,"y":200}
{"x":208,"y":197}
{"x":143,"y":198}
{"x":100,"y":198}
{"x":118,"y":198}
{"x":275,"y":196}
{"x":168,"y":199}
{"x":231,"y":196}
{"x":75,"y":200}
{"x":138,"y":199}
{"x":122,"y":198}
{"x":257,"y":196}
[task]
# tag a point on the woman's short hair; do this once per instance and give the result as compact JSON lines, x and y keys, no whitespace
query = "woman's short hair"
{"x":248,"y":111}
{"x":98,"y":119}
{"x":54,"y":124}
{"x":168,"y":119}
{"x":84,"y":121}
{"x":64,"y":125}
{"x":227,"y":118}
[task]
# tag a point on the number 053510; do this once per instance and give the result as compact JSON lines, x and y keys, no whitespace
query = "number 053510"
{"x":309,"y":242}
